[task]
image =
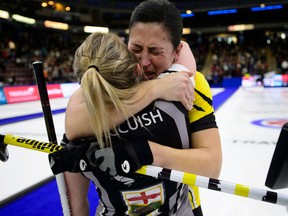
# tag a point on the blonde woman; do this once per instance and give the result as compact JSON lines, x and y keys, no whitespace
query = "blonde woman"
{"x":112,"y":91}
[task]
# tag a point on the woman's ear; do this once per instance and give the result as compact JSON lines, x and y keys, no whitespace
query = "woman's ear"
{"x":186,"y":57}
{"x":178,"y":51}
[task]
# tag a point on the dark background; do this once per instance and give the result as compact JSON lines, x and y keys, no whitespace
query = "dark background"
{"x":115,"y":14}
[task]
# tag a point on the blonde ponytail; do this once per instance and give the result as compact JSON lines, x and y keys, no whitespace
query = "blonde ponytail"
{"x":106,"y":70}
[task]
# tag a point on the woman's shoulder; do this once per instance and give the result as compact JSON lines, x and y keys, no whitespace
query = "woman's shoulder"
{"x":76,"y":117}
{"x":201,"y":84}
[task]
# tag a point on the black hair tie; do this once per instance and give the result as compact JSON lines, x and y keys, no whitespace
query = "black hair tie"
{"x":94,"y":66}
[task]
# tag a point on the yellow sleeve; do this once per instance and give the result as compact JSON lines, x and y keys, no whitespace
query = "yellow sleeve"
{"x":203,"y":99}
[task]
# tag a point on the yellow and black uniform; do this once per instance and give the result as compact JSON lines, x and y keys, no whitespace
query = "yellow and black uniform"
{"x":201,"y":117}
{"x":167,"y":123}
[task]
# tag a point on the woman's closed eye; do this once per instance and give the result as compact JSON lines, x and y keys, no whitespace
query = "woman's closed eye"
{"x":136,"y":50}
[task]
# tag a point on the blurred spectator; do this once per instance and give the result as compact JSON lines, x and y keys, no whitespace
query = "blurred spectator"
{"x":21,"y":45}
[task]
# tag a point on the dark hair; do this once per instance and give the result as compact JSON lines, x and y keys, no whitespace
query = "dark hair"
{"x":160,"y":11}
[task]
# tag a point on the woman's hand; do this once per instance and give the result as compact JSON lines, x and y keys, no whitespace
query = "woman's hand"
{"x":177,"y":87}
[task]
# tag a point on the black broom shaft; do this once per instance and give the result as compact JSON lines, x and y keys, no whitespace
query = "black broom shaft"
{"x":40,"y":79}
